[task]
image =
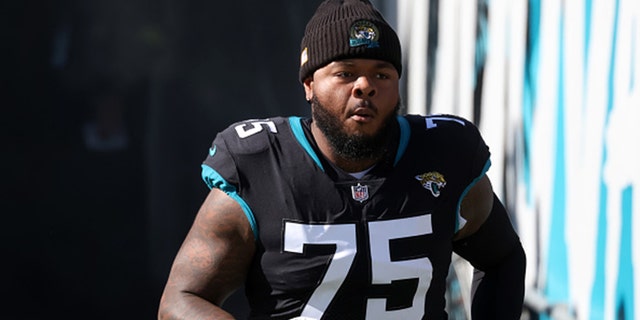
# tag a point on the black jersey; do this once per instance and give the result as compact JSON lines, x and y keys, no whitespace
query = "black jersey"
{"x":330,"y":246}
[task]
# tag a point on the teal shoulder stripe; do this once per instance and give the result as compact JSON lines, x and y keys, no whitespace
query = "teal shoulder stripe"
{"x":405,"y":133}
{"x":214,"y":180}
{"x":466,"y":190}
{"x":296,"y":127}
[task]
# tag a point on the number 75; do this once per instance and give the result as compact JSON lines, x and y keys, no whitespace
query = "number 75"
{"x":383,"y":270}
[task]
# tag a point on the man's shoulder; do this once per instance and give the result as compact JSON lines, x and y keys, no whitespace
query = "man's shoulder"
{"x":248,"y":127}
{"x":436,"y":126}
{"x":434,"y":121}
{"x":255,"y":135}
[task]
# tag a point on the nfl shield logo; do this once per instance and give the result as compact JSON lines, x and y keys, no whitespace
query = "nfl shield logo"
{"x":360,"y":192}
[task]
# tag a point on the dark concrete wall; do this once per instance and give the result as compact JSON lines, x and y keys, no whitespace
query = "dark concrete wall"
{"x":90,"y":228}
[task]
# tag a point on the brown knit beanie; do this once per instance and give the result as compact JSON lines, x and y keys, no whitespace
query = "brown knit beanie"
{"x":343,"y":29}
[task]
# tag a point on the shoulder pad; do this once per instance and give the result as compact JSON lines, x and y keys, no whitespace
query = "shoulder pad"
{"x":252,"y":136}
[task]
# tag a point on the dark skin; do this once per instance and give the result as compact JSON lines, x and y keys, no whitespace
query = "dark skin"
{"x":215,"y":256}
{"x":211,"y":263}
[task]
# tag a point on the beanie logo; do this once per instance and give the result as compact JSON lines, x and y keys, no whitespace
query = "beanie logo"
{"x":364,"y":32}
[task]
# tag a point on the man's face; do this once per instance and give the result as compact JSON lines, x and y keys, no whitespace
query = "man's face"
{"x":353,"y":101}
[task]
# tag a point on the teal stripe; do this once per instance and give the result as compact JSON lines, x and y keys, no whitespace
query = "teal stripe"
{"x":557,"y":286}
{"x":588,"y":5}
{"x":625,"y":292}
{"x":214,"y":180}
{"x":587,"y":40}
{"x":482,"y":42}
{"x":529,"y":94}
{"x":625,"y":286}
{"x":296,"y":127}
{"x":597,"y":289}
{"x":405,"y":133}
{"x":612,"y":62}
{"x":487,"y":165}
{"x":597,"y":293}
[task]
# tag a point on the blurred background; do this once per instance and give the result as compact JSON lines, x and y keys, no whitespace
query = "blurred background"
{"x":110,"y":107}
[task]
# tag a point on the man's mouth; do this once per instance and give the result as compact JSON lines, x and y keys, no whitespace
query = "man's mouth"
{"x":362,"y":113}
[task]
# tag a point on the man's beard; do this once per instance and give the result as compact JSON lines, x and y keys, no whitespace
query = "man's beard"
{"x":353,"y":147}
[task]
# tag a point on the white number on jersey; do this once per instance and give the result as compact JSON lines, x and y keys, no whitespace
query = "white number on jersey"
{"x":255,"y":127}
{"x":384,"y":271}
{"x":431,"y":121}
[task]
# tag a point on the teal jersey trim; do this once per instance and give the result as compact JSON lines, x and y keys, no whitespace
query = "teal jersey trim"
{"x":296,"y":127}
{"x":487,"y":165}
{"x":405,"y":133}
{"x":214,"y":180}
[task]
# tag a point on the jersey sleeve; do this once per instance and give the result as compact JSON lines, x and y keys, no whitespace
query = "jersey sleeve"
{"x":233,"y":156}
{"x":480,"y":163}
{"x":461,"y":140}
{"x":480,"y":155}
{"x":231,"y":151}
{"x":219,"y":168}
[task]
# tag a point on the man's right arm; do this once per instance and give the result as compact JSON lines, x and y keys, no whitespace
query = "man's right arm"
{"x":212,"y":262}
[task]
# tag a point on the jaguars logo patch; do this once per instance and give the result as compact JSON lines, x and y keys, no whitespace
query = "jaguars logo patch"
{"x":364,"y":32}
{"x":432,"y":181}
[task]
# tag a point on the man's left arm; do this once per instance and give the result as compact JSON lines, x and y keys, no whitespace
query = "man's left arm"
{"x":489,"y":242}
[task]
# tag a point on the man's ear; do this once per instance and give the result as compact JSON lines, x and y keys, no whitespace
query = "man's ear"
{"x":308,"y":88}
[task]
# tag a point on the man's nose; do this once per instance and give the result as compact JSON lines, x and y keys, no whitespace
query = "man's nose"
{"x":364,"y":87}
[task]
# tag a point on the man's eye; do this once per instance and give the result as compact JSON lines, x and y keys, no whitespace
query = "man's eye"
{"x":344,"y":74}
{"x":382,"y":76}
